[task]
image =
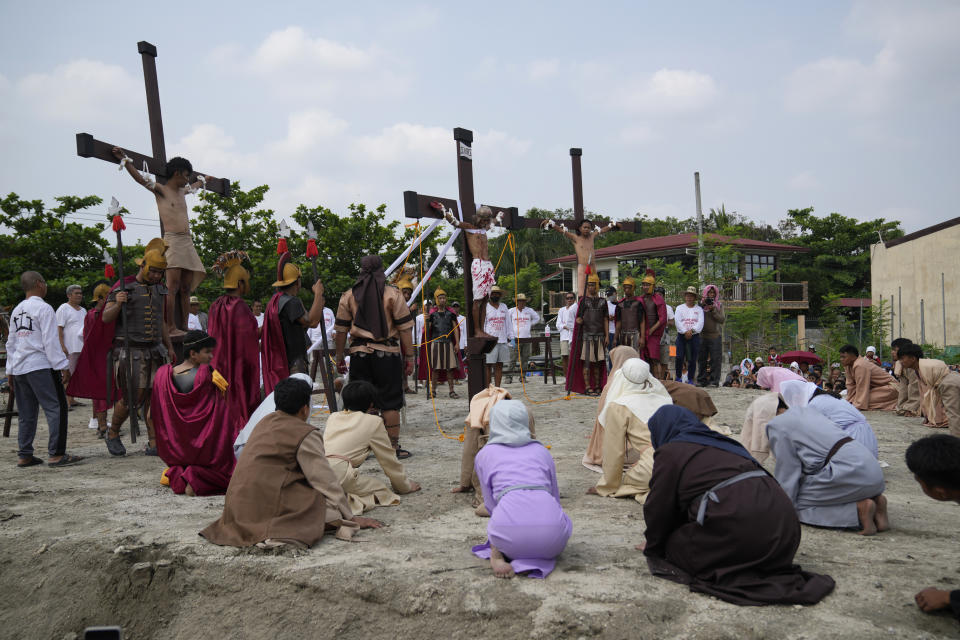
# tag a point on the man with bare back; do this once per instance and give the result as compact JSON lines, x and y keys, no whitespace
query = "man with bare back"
{"x":185,"y":271}
{"x":481,"y":269}
{"x":582,"y":241}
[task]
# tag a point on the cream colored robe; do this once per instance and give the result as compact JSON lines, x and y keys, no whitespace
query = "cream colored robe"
{"x":349,"y":438}
{"x":941,"y":395}
{"x":622,"y":431}
{"x":870,"y":388}
{"x":753,"y":436}
{"x":909,"y":397}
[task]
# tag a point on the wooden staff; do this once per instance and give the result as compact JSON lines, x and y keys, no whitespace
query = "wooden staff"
{"x":325,"y":373}
{"x":119,"y":226}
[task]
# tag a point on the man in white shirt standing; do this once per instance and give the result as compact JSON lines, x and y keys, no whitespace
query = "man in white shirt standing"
{"x":688,"y":319}
{"x":495,"y":324}
{"x":39,"y":369}
{"x":70,"y":317}
{"x":566,"y":318}
{"x":665,"y":339}
{"x":611,"y":293}
{"x":316,"y":340}
{"x":462,"y":324}
{"x":258,"y":312}
{"x":521,"y":319}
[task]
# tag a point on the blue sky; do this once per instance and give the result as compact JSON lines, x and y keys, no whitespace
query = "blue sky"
{"x":843,"y":106}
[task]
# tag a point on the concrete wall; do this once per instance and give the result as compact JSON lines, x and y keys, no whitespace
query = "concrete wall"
{"x":603,"y":264}
{"x":913,"y":269}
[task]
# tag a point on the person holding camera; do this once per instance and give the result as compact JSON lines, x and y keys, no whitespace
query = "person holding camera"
{"x":688,"y":318}
{"x":710,"y":342}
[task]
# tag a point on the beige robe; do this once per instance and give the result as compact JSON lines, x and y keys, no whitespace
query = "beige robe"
{"x":941,"y":395}
{"x":870,"y":388}
{"x":754,"y":433}
{"x":622,"y":431}
{"x":908,"y":390}
{"x":349,"y":437}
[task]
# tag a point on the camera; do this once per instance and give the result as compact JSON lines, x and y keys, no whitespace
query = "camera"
{"x":708,"y":302}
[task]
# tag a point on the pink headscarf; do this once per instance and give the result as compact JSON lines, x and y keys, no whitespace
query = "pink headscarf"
{"x":772,"y":377}
{"x":716,"y":295}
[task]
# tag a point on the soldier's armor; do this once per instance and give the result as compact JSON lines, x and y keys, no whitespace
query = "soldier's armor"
{"x":629,"y":309}
{"x":650,"y":310}
{"x":441,"y":324}
{"x":143,"y":313}
{"x":594,"y":315}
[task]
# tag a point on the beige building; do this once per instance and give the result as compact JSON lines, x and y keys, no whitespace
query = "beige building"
{"x":918,"y":278}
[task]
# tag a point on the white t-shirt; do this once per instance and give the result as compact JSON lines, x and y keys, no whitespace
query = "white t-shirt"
{"x":34,"y":343}
{"x":259,"y":320}
{"x":462,"y":323}
{"x":193,"y":322}
{"x":316,"y":338}
{"x":566,"y":318}
{"x":522,"y":321}
{"x":612,"y":312}
{"x":495,"y":324}
{"x":72,"y":322}
{"x":688,"y":318}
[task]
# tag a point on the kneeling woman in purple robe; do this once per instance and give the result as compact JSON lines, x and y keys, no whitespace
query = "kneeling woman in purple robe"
{"x":528,"y":528}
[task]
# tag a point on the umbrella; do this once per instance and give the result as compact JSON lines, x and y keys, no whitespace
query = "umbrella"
{"x":800,"y":357}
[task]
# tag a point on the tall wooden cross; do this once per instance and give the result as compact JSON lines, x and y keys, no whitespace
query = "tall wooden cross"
{"x":422,"y":206}
{"x":90,"y":147}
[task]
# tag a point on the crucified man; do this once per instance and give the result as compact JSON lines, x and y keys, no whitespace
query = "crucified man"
{"x":184,"y":271}
{"x":582,"y":240}
{"x":481,"y":269}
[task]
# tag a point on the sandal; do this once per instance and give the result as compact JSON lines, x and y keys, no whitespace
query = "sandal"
{"x":32,"y":461}
{"x":453,"y":394}
{"x":65,"y":461}
{"x":402,"y":454}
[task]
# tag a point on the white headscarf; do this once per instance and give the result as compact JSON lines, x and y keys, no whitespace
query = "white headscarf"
{"x":510,"y":424}
{"x":746,"y":366}
{"x":634,"y":388}
{"x":797,"y":393}
{"x":266,"y":407}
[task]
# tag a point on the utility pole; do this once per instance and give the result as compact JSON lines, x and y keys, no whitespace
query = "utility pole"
{"x":700,"y":269}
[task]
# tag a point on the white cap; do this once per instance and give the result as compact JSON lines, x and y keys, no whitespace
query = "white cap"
{"x":794,"y":365}
{"x":758,"y":359}
{"x":871,"y":349}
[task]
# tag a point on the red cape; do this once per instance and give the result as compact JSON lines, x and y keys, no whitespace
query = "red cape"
{"x":651,"y":350}
{"x":459,"y":373}
{"x":195,"y":432}
{"x":273,"y":352}
{"x":89,"y":379}
{"x":574,"y":378}
{"x":236,"y":355}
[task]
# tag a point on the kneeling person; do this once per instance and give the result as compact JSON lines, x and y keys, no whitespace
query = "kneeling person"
{"x":283,"y":490}
{"x":349,"y":437}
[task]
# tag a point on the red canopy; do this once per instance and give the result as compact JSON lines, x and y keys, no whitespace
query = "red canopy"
{"x":800,"y":357}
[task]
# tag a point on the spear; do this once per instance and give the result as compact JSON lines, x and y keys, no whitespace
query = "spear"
{"x":119,"y":226}
{"x":312,"y":253}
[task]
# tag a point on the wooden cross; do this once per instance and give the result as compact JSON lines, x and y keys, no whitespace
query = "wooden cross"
{"x":422,"y":206}
{"x":90,"y":147}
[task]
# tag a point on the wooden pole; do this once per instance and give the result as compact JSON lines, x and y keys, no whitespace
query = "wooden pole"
{"x":700,"y":268}
{"x":128,"y":366}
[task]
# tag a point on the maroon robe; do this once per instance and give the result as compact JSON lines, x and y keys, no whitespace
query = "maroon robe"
{"x":236,"y":356}
{"x":194,"y":432}
{"x":273,"y":351}
{"x":89,"y":379}
{"x":575,"y":382}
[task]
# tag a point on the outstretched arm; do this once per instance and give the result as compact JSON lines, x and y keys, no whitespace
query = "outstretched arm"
{"x":126,"y":161}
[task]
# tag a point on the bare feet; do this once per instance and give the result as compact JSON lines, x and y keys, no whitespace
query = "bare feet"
{"x":189,"y":491}
{"x":462,"y":490}
{"x":932,"y":599}
{"x":867,"y":511}
{"x":501,"y":568}
{"x":641,"y":546}
{"x":881,"y":519}
{"x":592,"y":491}
{"x":367,"y":523}
{"x":482,"y":511}
{"x":414,"y":486}
{"x":174,"y":332}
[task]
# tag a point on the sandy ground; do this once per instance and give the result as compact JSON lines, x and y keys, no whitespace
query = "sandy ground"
{"x":104,"y":543}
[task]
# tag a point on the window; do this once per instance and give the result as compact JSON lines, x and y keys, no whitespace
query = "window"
{"x":604,"y":276}
{"x":756,"y":265}
{"x":721,"y":268}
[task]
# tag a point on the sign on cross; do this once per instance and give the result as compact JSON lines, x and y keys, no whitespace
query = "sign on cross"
{"x":90,"y":147}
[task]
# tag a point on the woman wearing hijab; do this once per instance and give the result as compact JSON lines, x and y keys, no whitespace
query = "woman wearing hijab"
{"x":772,"y":377}
{"x":528,"y":528}
{"x":718,"y":522}
{"x":594,"y":455}
{"x":833,"y":480}
{"x":839,"y":412}
{"x":633,"y":397}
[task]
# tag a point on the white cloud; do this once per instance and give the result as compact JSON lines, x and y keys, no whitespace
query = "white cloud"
{"x":82,"y":91}
{"x":403,"y":143}
{"x":292,"y":50}
{"x":803,"y":181}
{"x":543,"y":69}
{"x":493,"y":144}
{"x":307,"y":129}
{"x":667,"y":92}
{"x":209,"y":148}
{"x":637,"y":134}
{"x":915,"y":62}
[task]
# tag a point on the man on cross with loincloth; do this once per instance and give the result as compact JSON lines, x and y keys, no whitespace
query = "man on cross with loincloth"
{"x":184,"y":271}
{"x":481,"y":269}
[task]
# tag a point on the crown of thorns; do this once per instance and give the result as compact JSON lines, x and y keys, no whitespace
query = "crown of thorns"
{"x":229,"y":259}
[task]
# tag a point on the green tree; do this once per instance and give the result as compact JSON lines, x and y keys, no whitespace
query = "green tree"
{"x":839,"y":257}
{"x":40,"y":239}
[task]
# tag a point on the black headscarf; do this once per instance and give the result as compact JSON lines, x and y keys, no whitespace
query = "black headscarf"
{"x":368,"y":292}
{"x":671,"y":423}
